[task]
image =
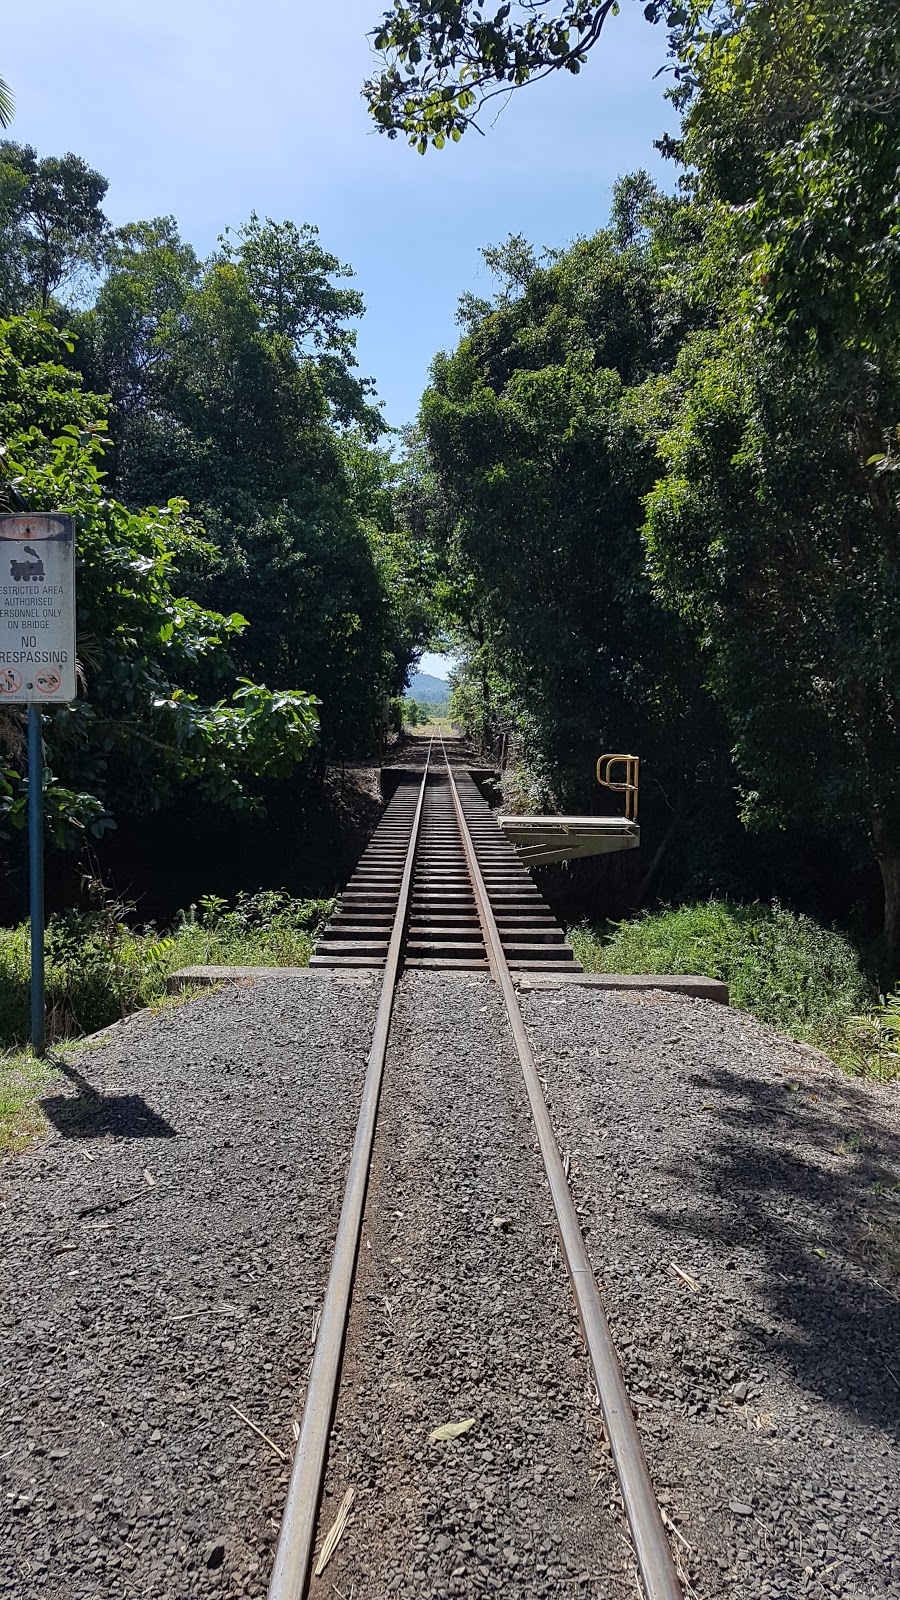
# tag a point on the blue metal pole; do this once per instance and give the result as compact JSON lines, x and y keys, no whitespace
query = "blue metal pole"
{"x":36,"y":877}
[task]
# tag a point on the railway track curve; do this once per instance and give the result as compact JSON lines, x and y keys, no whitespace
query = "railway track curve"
{"x":439,"y":887}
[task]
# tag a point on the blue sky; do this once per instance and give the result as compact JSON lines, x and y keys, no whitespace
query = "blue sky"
{"x":437,"y":665}
{"x":207,"y":109}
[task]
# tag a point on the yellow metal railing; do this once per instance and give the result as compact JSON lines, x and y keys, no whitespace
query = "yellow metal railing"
{"x":628,"y":787}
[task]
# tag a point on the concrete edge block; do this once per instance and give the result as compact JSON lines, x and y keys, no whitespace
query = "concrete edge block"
{"x":188,"y":977}
{"x":205,"y":977}
{"x":691,"y":985}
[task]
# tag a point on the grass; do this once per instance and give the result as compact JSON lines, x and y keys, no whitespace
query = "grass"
{"x":22,"y":1080}
{"x":262,"y":930}
{"x":99,"y":968}
{"x":433,"y":725}
{"x":781,"y":967}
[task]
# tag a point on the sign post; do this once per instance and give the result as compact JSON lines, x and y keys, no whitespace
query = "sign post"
{"x":36,"y":879}
{"x":37,"y":668}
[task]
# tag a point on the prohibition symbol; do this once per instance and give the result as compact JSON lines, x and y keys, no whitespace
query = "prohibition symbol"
{"x":10,"y":681}
{"x":47,"y":681}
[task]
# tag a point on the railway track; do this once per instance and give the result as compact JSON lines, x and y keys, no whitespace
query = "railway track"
{"x":440,"y":888}
{"x":444,"y":929}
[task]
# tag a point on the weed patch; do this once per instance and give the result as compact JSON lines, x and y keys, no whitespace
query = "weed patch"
{"x":22,"y":1079}
{"x":781,"y":967}
{"x":100,"y":967}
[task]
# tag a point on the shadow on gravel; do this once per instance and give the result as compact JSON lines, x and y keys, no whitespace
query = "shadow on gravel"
{"x":828,"y":1240}
{"x":90,"y":1114}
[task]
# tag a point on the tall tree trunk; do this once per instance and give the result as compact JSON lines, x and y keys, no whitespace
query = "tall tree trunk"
{"x":890,"y":877}
{"x":658,"y":858}
{"x":889,"y":864}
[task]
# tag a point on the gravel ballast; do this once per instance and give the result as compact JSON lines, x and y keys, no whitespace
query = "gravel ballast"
{"x":165,"y":1252}
{"x":163,"y":1257}
{"x":768,"y":1387}
{"x":462,"y":1311}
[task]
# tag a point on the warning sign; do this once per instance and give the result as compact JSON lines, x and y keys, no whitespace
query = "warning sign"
{"x":37,"y":609}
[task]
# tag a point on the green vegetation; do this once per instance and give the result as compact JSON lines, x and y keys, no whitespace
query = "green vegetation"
{"x":786,"y":970}
{"x":424,"y":713}
{"x":99,"y":968}
{"x":22,"y":1080}
{"x":442,"y":63}
{"x":248,"y":595}
{"x":142,"y":730}
{"x":268,"y":929}
{"x":660,"y":468}
{"x":652,"y":504}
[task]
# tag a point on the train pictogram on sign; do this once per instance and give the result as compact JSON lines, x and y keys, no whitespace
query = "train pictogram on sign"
{"x":27,"y":571}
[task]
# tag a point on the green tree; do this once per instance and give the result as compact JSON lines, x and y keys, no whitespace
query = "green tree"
{"x":539,"y":458}
{"x":151,"y":719}
{"x":51,"y":224}
{"x":297,"y":287}
{"x":775,"y":530}
{"x":7,"y":104}
{"x":414,"y":715}
{"x":217,"y":369}
{"x":234,"y":385}
{"x":122,"y":348}
{"x":763,"y":536}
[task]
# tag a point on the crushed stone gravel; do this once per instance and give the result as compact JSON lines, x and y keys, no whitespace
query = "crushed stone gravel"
{"x":165,"y":1252}
{"x":462,"y":1311}
{"x":163,"y":1257}
{"x":767,"y":1386}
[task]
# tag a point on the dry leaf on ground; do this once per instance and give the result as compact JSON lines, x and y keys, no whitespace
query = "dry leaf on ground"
{"x":451,"y":1430}
{"x":334,"y":1533}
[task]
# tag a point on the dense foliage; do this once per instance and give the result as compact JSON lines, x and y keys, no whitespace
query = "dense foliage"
{"x":51,"y":224}
{"x":234,"y":384}
{"x":145,"y":724}
{"x":667,"y":457}
{"x":781,"y":967}
{"x":247,"y":594}
{"x":102,"y":966}
{"x":538,"y":461}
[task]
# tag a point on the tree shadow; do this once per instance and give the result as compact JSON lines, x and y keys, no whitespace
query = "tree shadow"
{"x":91,"y":1114}
{"x":827,"y":1237}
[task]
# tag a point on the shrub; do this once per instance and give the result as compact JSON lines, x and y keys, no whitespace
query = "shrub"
{"x":782,"y":967}
{"x":263,"y":929}
{"x":99,"y":968}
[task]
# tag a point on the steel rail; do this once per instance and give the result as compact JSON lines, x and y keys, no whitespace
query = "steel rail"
{"x":651,"y":1545}
{"x":293,"y":1553}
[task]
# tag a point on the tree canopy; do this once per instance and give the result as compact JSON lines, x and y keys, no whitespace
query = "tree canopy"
{"x":51,"y":223}
{"x":145,"y":723}
{"x":692,"y":419}
{"x":536,"y":464}
{"x":248,"y":597}
{"x":442,"y":62}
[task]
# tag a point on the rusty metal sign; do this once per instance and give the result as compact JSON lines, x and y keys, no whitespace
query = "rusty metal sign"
{"x":37,"y":609}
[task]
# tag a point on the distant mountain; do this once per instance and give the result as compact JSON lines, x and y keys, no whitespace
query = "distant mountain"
{"x":428,"y":691}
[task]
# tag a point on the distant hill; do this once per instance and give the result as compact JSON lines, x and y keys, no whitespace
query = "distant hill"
{"x":428,"y":691}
